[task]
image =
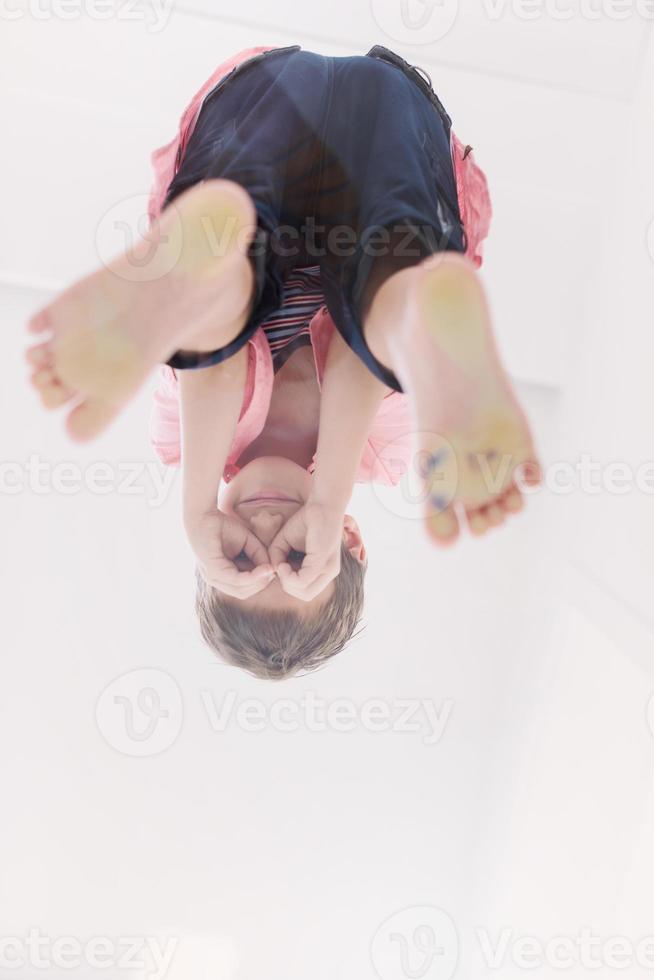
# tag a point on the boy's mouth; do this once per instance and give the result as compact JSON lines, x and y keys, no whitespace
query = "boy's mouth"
{"x":270,"y":496}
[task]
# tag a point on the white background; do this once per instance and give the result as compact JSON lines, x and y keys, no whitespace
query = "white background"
{"x":280,"y":855}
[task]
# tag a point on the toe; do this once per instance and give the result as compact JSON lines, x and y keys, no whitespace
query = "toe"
{"x":40,"y":356}
{"x":443,"y":526}
{"x":513,"y":501}
{"x":477,"y":522}
{"x":494,"y":514}
{"x":42,"y":379}
{"x":53,"y":393}
{"x":54,"y":396}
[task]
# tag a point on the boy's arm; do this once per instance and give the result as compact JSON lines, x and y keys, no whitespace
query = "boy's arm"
{"x":350,"y":398}
{"x":210,"y":401}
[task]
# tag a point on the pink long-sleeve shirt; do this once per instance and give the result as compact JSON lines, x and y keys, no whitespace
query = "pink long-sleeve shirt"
{"x":388,"y":447}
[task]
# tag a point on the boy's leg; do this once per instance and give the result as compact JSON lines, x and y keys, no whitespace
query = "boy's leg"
{"x":187,"y":284}
{"x":431,"y":326}
{"x":259,"y":129}
{"x":409,"y":303}
{"x":258,"y":170}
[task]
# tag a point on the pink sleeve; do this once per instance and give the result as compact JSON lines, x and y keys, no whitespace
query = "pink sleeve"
{"x":165,"y":432}
{"x":163,"y":166}
{"x":387,"y":454}
{"x":474,"y":199}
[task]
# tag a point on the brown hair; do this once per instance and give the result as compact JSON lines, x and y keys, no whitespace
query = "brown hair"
{"x":274,"y":644}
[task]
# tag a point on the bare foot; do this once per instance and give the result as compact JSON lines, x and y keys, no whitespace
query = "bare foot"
{"x":187,"y":284}
{"x":473,"y":437}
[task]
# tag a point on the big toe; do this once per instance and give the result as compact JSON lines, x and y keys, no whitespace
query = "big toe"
{"x":89,"y":419}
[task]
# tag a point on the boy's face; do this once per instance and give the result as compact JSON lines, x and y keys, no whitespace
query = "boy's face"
{"x":263,"y":496}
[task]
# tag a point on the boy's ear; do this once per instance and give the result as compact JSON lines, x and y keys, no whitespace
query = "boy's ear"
{"x":353,"y":540}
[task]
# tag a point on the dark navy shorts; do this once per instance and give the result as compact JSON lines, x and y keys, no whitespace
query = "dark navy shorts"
{"x":336,"y":153}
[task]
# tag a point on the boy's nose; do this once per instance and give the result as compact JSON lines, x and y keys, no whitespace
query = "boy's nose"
{"x":266,"y":524}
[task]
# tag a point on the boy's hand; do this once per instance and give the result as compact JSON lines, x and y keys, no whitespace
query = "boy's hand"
{"x":231,"y":559}
{"x":315,"y":533}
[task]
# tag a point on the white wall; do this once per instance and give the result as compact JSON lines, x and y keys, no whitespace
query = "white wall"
{"x":281,"y":854}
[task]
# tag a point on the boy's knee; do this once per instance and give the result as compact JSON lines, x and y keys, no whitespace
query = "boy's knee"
{"x":232,"y":314}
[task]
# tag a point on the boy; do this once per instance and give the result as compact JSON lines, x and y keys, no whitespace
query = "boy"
{"x":309,"y":281}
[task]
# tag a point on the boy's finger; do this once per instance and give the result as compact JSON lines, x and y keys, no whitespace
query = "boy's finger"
{"x":254,"y":576}
{"x":261,"y":571}
{"x":255,"y":550}
{"x":242,"y":585}
{"x":289,"y":580}
{"x":294,"y":585}
{"x":307,"y":592}
{"x":278,"y":555}
{"x":279,"y":549}
{"x":307,"y":583}
{"x":223,"y":570}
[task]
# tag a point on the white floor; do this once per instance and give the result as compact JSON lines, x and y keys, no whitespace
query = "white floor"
{"x":141,"y":796}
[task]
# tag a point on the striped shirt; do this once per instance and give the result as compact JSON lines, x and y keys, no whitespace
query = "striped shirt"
{"x":288,"y":328}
